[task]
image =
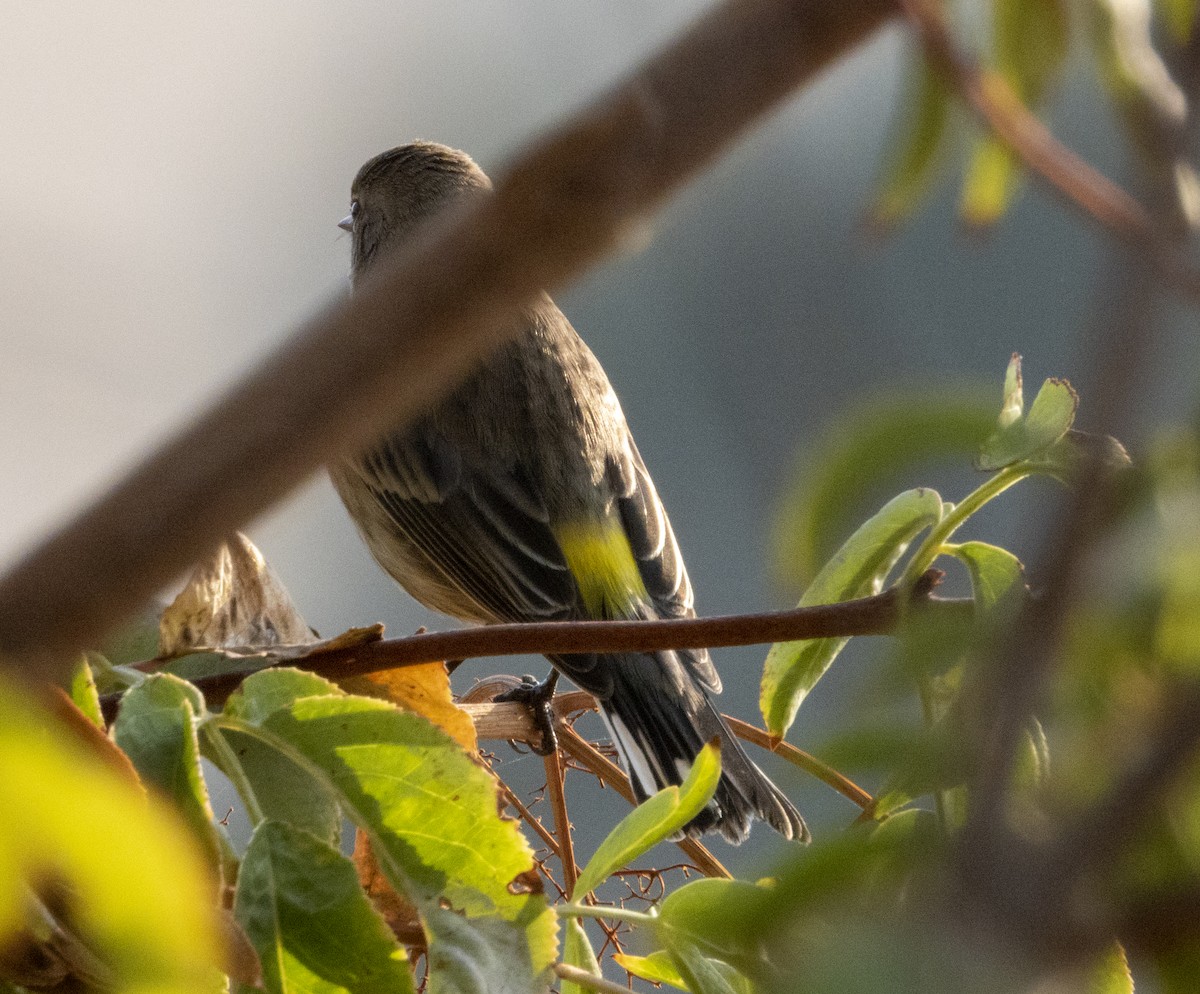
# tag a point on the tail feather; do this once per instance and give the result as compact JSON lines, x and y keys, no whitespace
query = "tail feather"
{"x":658,"y":734}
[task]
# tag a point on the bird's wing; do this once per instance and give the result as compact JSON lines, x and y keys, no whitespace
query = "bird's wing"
{"x":657,"y":554}
{"x":486,"y":531}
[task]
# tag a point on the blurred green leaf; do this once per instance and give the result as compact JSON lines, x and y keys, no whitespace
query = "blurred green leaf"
{"x":916,"y":144}
{"x":83,"y":692}
{"x":701,"y":974}
{"x":429,"y":810}
{"x":1179,"y":16}
{"x":996,"y":574}
{"x":315,"y":932}
{"x":1111,"y":973}
{"x":989,"y":183}
{"x":865,"y":454}
{"x":577,"y":951}
{"x":654,"y":820}
{"x":134,"y":882}
{"x":479,"y":956}
{"x":156,"y":729}
{"x":1048,"y":420}
{"x":858,"y":569}
{"x":1031,"y":39}
{"x":708,"y":915}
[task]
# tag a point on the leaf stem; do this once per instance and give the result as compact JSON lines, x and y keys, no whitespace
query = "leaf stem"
{"x":571,"y":910}
{"x":231,"y":766}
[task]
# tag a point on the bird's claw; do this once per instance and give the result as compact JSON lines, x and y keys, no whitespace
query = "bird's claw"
{"x":538,"y":696}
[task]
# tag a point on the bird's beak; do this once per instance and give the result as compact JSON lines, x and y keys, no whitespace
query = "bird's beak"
{"x":347,"y":223}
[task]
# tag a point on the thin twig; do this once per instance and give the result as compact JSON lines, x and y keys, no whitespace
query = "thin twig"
{"x":588,"y":756}
{"x":562,"y":819}
{"x":806,"y":761}
{"x":379,"y":359}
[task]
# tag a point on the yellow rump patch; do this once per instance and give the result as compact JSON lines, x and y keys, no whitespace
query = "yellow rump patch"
{"x":601,"y":560}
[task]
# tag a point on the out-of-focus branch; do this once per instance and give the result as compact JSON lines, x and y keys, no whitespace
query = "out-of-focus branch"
{"x":427,"y":315}
{"x":1080,"y":183}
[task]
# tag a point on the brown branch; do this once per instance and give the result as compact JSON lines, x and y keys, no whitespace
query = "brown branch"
{"x":877,"y":615}
{"x":562,"y":819}
{"x":806,"y":761}
{"x":584,"y":753}
{"x":379,"y":359}
{"x":1082,"y":185}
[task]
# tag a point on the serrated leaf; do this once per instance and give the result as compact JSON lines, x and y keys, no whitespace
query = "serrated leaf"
{"x":996,"y":574}
{"x":1111,"y":974}
{"x":857,"y":569}
{"x":424,"y":690}
{"x":83,"y":692}
{"x":133,"y":880}
{"x":915,"y":146}
{"x":577,"y":952}
{"x":315,"y":932}
{"x":869,"y":452}
{"x":429,"y":810}
{"x":156,"y":729}
{"x":1012,"y":408}
{"x":1030,"y":437}
{"x":263,"y":694}
{"x":654,"y":820}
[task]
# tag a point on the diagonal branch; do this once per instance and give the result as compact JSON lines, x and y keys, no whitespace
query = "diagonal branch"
{"x":380,"y":359}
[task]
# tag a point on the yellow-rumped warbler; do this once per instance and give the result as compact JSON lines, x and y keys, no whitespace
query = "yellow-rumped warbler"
{"x":522,"y":497}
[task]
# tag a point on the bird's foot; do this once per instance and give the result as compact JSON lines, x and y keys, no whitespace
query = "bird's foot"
{"x":538,"y":696}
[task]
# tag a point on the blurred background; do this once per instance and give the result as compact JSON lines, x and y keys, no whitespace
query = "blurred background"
{"x":172,"y":179}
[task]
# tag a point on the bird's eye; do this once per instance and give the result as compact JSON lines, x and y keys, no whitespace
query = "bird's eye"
{"x":355,"y":208}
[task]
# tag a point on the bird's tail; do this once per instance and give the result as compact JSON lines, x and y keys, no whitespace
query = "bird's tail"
{"x":659,"y":732}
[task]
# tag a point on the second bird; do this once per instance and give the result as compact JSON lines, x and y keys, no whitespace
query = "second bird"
{"x":522,"y":497}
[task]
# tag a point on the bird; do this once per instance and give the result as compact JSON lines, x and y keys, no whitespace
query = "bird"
{"x":522,"y":497}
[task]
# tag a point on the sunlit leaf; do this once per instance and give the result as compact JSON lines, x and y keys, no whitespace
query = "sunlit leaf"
{"x":430,"y":811}
{"x":424,"y":690}
{"x":989,"y":184}
{"x":996,"y":574}
{"x":701,"y":974}
{"x":857,"y":569}
{"x":658,"y":968}
{"x":656,"y":819}
{"x":1110,"y":974}
{"x":1179,"y":16}
{"x":299,"y":902}
{"x":1048,"y":420}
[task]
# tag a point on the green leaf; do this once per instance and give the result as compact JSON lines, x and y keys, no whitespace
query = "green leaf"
{"x":1110,"y":974}
{"x":133,"y":880}
{"x":478,"y":956}
{"x":699,"y":972}
{"x":915,"y":146}
{"x":263,"y":694}
{"x":1179,"y":16}
{"x":658,"y":818}
{"x":996,"y":574}
{"x":657,"y":968}
{"x":869,"y":452}
{"x":1027,"y":438}
{"x":577,"y":951}
{"x":1077,"y":449}
{"x":430,"y":811}
{"x":83,"y":692}
{"x":156,"y":729}
{"x":708,"y":915}
{"x":989,"y":184}
{"x":313,"y":928}
{"x":1013,"y":406}
{"x":858,"y":569}
{"x":1031,"y":38}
